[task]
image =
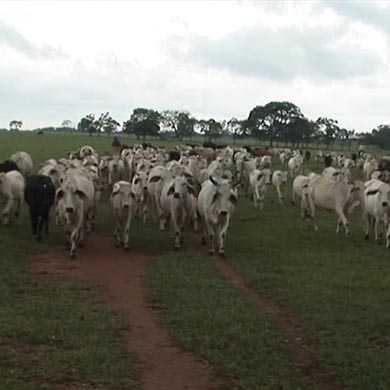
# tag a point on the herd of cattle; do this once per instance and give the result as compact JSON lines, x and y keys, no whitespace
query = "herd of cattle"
{"x":186,"y":184}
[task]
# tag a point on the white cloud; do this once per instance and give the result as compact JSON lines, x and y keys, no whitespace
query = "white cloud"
{"x":216,"y":59}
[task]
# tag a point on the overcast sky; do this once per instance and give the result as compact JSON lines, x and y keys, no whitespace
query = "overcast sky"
{"x":61,"y":60}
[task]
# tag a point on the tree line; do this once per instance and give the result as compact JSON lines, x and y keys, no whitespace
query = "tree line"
{"x":273,"y":123}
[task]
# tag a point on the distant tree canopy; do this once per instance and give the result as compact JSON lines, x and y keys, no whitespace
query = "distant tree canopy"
{"x":15,"y":125}
{"x":274,"y":123}
{"x":379,"y":136}
{"x":143,"y":122}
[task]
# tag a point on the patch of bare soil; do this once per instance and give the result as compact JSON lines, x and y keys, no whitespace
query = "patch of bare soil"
{"x":286,"y":322}
{"x":120,"y":277}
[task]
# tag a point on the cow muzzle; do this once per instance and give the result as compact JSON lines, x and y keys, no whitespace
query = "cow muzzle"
{"x":176,"y":195}
{"x":69,"y":210}
{"x":384,"y":204}
{"x":126,"y":206}
{"x":223,"y":213}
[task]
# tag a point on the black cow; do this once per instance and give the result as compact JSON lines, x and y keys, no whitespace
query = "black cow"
{"x":328,"y":160}
{"x":174,"y":155}
{"x":8,"y":165}
{"x":247,"y":148}
{"x":39,"y":195}
{"x":39,"y":132}
{"x":209,"y":144}
{"x":307,"y":155}
{"x":354,"y":157}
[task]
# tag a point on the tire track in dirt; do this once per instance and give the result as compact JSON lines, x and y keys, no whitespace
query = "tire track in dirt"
{"x":294,"y":334}
{"x":120,"y":278}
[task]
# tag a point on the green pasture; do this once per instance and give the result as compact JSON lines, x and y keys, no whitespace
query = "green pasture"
{"x":53,"y":331}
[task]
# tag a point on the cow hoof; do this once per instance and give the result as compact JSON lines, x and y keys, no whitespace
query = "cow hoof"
{"x":222,"y":254}
{"x":72,"y":256}
{"x":126,"y":248}
{"x":203,"y":241}
{"x":367,"y":237}
{"x":211,"y":252}
{"x":176,"y":247}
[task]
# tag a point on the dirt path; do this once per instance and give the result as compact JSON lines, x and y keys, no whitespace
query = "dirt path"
{"x":120,"y":278}
{"x":294,"y":333}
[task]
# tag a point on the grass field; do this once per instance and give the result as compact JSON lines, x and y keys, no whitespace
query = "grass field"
{"x":339,"y":289}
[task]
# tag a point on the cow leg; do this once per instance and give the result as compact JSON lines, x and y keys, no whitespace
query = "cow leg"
{"x":210,"y":231}
{"x":367,"y":221}
{"x":222,"y":237}
{"x":117,"y":233}
{"x":293,"y":196}
{"x":387,"y":235}
{"x":6,"y":210}
{"x":34,"y":221}
{"x":126,"y":232}
{"x":144,"y":212}
{"x":17,"y":208}
{"x":40,"y":228}
{"x":280,"y":195}
{"x":343,"y":220}
{"x":73,"y":243}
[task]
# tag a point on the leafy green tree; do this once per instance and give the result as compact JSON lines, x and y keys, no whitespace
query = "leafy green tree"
{"x":143,"y":122}
{"x":211,"y":128}
{"x":329,"y":129}
{"x":270,"y":121}
{"x":380,"y":137}
{"x":15,"y":125}
{"x":180,"y":122}
{"x":67,"y":123}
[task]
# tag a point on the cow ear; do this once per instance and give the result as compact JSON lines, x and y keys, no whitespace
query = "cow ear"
{"x":171,"y":190}
{"x":213,"y":181}
{"x":154,"y":179}
{"x":115,"y":190}
{"x":191,"y":190}
{"x":336,"y":173}
{"x":59,"y":195}
{"x":137,"y":180}
{"x":260,"y":176}
{"x":233,"y":199}
{"x":373,"y":192}
{"x":81,"y":195}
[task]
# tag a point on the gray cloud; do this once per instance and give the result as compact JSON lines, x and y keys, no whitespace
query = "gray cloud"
{"x":13,"y":39}
{"x":363,"y":11}
{"x":285,"y":54}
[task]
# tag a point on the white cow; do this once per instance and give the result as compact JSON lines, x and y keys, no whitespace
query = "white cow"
{"x":295,"y":165}
{"x":369,"y":167}
{"x":176,"y":205}
{"x":140,"y":189}
{"x":376,"y":209}
{"x":75,"y":201}
{"x":116,"y":169}
{"x":217,"y":201}
{"x":55,"y":171}
{"x":123,"y":206}
{"x":279,"y":180}
{"x":259,"y":179}
{"x":332,"y":194}
{"x":11,"y":194}
{"x":24,"y":162}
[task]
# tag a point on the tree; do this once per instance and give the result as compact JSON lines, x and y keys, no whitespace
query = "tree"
{"x":380,"y":137}
{"x":300,"y":130}
{"x":329,"y":128}
{"x":180,"y":122}
{"x":143,"y":122}
{"x":15,"y":125}
{"x":269,"y":121}
{"x":210,"y":128}
{"x":67,"y":123}
{"x":86,"y":124}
